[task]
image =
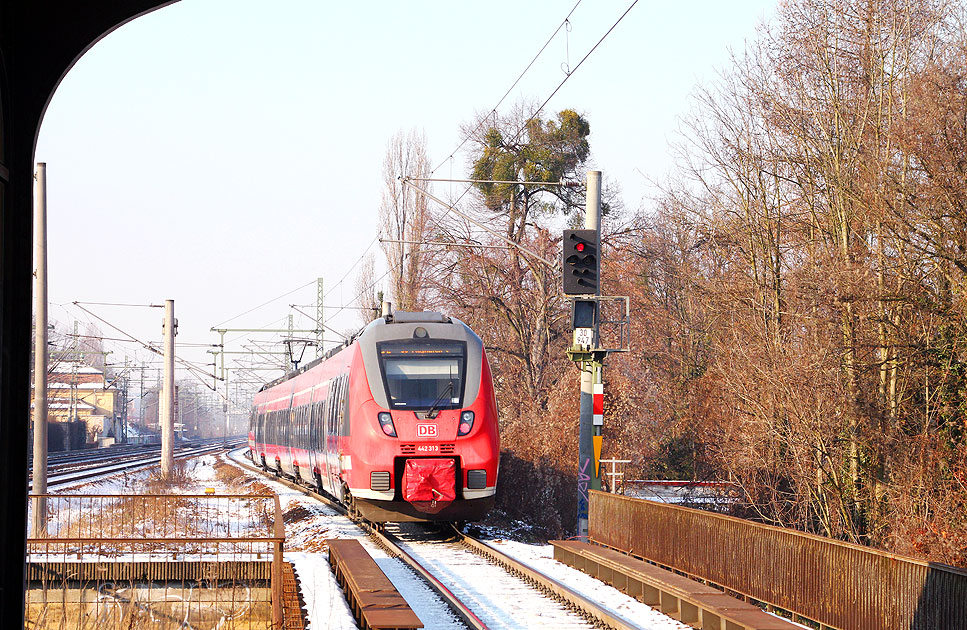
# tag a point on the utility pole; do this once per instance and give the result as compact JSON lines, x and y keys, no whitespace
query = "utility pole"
{"x":287,"y":365}
{"x":73,"y":407}
{"x":320,"y":317}
{"x":39,"y":529}
{"x":141,"y":401}
{"x":167,"y":406}
{"x":124,"y":407}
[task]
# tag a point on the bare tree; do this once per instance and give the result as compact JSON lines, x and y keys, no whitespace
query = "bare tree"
{"x":368,"y":298}
{"x":404,"y":218}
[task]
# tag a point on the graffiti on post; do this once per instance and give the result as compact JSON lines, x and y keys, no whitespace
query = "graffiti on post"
{"x":584,"y":482}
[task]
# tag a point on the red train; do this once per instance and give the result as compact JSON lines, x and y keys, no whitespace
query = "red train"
{"x":400,"y":424}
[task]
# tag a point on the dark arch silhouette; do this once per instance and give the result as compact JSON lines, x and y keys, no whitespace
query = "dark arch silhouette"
{"x":40,"y":40}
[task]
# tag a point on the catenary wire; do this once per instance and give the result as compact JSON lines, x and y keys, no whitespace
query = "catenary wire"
{"x":493,"y":110}
{"x":537,"y":112}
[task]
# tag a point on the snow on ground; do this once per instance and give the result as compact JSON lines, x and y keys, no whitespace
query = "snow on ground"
{"x":502,"y":601}
{"x":323,"y":598}
{"x":309,"y":523}
{"x":305,"y":541}
{"x":326,"y":524}
{"x":116,"y":483}
{"x":326,"y":605}
{"x":541,"y":558}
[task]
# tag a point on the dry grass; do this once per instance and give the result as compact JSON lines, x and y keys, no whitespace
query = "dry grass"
{"x":237,"y":480}
{"x":295,"y":514}
{"x":180,"y":479}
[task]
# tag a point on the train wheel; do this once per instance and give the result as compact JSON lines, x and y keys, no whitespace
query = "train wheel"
{"x":351,"y":508}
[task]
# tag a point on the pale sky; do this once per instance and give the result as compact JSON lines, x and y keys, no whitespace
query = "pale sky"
{"x":224,"y":152}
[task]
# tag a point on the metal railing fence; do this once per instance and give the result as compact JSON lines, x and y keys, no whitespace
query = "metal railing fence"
{"x":836,"y":584}
{"x":156,"y":561}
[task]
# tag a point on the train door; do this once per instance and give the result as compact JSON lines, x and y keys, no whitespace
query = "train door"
{"x":268,"y":437}
{"x":288,"y":420}
{"x":312,"y":447}
{"x":259,"y":436}
{"x":336,"y":398}
{"x":327,"y":472}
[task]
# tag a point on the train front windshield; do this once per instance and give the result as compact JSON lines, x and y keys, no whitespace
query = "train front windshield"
{"x":421,"y":376}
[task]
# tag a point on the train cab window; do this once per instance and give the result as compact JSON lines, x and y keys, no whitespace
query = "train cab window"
{"x":423,"y":375}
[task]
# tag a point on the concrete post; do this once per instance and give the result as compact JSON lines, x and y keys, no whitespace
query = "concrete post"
{"x":587,"y":472}
{"x":167,"y":406}
{"x":320,"y":317}
{"x":39,"y":529}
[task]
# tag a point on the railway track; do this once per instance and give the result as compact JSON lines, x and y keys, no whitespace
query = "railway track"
{"x":89,"y":466}
{"x":450,"y":562}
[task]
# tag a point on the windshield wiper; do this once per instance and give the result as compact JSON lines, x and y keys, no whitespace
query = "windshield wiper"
{"x":431,"y":413}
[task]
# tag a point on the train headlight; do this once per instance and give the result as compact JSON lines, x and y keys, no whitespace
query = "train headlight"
{"x":386,"y":423}
{"x":466,"y":423}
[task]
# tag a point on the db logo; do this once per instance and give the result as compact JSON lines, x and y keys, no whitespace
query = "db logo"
{"x":426,"y":430}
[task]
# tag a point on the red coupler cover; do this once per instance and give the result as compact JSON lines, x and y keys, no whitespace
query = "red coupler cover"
{"x":429,"y":480}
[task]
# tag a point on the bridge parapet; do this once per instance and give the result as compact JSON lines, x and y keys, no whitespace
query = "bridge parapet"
{"x":836,"y":584}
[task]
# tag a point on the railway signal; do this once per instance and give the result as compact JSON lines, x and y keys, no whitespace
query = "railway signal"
{"x":581,"y":262}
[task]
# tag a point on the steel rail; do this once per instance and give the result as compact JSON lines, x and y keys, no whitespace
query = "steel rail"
{"x":394,"y":548}
{"x":80,"y":456}
{"x":453,"y":603}
{"x":566,"y":595}
{"x":131,"y":465}
{"x":553,"y":588}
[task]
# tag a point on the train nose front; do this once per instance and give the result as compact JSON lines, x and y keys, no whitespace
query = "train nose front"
{"x":429,"y":484}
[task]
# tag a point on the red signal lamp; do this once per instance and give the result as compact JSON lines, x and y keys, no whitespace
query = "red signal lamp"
{"x":579,"y":247}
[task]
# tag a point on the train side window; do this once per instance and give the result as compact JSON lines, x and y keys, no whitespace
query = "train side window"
{"x":330,"y":406}
{"x":301,"y":426}
{"x":312,"y":425}
{"x":304,"y":426}
{"x":336,"y":400}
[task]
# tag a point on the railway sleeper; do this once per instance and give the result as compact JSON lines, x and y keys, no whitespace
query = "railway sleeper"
{"x":375,"y":602}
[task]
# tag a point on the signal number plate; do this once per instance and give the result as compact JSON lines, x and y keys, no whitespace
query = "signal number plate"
{"x":428,"y":448}
{"x":583,"y":337}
